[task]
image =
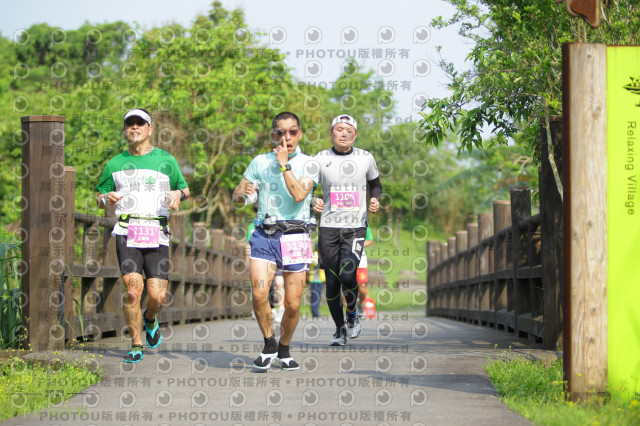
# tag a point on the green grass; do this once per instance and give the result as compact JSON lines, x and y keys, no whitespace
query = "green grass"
{"x":10,"y":290}
{"x":405,"y":250}
{"x":535,"y":389}
{"x":26,"y":387}
{"x":386,"y":300}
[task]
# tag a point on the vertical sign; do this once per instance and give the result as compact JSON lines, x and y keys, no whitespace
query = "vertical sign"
{"x":623,"y":206}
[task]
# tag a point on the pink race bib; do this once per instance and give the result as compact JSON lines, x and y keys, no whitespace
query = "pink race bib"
{"x":296,"y":248}
{"x":143,"y":233}
{"x":344,"y":200}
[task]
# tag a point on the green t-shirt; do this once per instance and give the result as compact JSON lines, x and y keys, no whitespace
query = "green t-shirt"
{"x":363,"y":259}
{"x":143,"y":181}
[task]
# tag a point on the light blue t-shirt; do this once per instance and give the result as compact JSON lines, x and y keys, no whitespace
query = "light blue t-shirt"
{"x":273,"y":195}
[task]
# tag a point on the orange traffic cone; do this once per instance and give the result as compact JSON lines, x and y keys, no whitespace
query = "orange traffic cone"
{"x":369,"y":308}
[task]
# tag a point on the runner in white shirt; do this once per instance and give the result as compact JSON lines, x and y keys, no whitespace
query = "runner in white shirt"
{"x":345,"y":174}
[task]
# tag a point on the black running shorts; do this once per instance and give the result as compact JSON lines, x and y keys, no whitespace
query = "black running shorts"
{"x":153,"y":261}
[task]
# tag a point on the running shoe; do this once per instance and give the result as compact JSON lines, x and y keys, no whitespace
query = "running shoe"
{"x":361,"y":314}
{"x":134,"y":355}
{"x":353,"y":326}
{"x":339,"y":337}
{"x":154,"y":335}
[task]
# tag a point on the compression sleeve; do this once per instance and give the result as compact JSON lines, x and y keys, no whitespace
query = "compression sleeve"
{"x":375,"y":187}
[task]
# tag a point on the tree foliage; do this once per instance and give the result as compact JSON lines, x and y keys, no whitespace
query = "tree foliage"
{"x":212,"y":90}
{"x":515,"y":64}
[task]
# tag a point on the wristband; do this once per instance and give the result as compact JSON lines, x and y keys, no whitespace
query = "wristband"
{"x":104,"y":199}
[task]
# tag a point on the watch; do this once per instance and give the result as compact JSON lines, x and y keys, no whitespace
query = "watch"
{"x":285,"y":168}
{"x":183,"y":196}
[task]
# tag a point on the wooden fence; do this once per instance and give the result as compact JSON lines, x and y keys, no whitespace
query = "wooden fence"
{"x":505,"y":270}
{"x":71,"y":277}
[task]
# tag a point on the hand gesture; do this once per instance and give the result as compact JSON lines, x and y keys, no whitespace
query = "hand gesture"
{"x":282,"y":154}
{"x":374,"y":205}
{"x":318,"y":205}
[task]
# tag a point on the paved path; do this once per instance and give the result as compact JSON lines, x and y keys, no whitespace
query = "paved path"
{"x":403,"y":370}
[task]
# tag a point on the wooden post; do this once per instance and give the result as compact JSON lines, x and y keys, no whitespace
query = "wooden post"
{"x":462,"y":244}
{"x":551,"y":228}
{"x":174,"y":309}
{"x":445,"y":298}
{"x":520,"y":209}
{"x":68,"y":195}
{"x":453,"y":292}
{"x":485,"y":267}
{"x":501,"y":220}
{"x":199,"y":268}
{"x":113,"y":287}
{"x":585,"y":218}
{"x":217,"y":241}
{"x":472,"y":273}
{"x":432,"y":259}
{"x":42,"y":239}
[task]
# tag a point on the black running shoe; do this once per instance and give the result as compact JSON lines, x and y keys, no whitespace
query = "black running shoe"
{"x":339,"y":337}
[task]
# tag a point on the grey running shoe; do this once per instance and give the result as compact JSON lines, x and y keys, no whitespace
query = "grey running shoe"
{"x":353,"y":326}
{"x":339,"y":337}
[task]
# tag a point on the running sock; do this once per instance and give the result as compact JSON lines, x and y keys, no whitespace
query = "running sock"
{"x":270,"y":345}
{"x":283,"y":351}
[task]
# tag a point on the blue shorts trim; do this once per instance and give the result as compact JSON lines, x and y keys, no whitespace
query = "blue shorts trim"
{"x":267,"y":247}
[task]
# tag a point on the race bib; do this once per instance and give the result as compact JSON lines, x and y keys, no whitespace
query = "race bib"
{"x":296,"y":248}
{"x":143,"y":233}
{"x":344,"y":201}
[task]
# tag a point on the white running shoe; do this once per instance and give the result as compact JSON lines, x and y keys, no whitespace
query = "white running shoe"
{"x":353,"y":326}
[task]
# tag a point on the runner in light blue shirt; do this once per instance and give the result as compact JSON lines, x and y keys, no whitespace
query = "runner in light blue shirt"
{"x":281,"y":240}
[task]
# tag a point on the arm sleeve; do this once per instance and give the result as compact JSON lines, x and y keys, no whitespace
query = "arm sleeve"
{"x":375,"y":187}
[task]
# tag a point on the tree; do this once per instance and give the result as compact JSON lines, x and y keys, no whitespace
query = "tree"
{"x":212,"y":90}
{"x":514,"y":81}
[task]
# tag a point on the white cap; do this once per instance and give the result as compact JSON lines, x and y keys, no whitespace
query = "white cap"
{"x":137,"y":113}
{"x":343,"y":118}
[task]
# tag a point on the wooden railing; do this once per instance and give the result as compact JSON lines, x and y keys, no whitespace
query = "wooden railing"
{"x":72,"y":280}
{"x":505,"y":270}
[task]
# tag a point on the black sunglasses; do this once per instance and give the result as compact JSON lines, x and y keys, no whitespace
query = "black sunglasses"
{"x":135,"y":120}
{"x":280,"y":132}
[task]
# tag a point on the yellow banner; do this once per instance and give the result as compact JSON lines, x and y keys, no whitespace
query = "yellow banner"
{"x":623,"y":217}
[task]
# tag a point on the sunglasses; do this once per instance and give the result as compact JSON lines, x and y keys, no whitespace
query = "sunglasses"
{"x":280,"y":132}
{"x":135,"y":120}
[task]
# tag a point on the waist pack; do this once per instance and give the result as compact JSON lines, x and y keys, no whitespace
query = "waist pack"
{"x":123,"y":221}
{"x":288,"y":227}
